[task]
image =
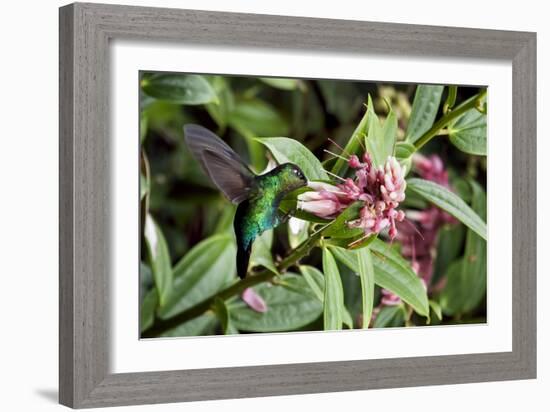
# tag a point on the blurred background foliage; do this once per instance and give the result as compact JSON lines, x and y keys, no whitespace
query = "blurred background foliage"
{"x":188,"y":209}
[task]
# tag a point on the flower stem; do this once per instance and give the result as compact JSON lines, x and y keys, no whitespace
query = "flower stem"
{"x":161,"y":326}
{"x":447,"y":118}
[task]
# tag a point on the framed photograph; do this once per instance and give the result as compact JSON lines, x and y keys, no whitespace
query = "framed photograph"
{"x":257,"y":205}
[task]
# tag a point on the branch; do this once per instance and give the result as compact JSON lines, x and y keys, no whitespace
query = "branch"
{"x":161,"y":326}
{"x":471,"y":103}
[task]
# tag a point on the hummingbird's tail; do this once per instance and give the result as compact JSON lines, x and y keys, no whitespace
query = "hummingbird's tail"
{"x":243,"y":257}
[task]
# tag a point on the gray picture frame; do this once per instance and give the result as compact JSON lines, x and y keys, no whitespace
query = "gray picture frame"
{"x":85,"y":32}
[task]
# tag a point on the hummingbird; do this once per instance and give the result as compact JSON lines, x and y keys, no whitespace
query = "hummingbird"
{"x":258,"y":196}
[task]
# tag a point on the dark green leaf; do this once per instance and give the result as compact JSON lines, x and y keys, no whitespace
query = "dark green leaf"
{"x":354,"y":243}
{"x":288,"y":307}
{"x":449,"y":246}
{"x":143,"y":123}
{"x":339,"y":228}
{"x":467,"y":277}
{"x":147,"y":310}
{"x":391,"y":272}
{"x":403,"y":153}
{"x":346,"y":318}
{"x":315,"y":280}
{"x":404,"y":150}
{"x":143,"y":186}
{"x":203,"y":325}
{"x":448,"y":201}
{"x":424,"y":110}
{"x":380,"y":140}
{"x":281,"y":83}
{"x":366,"y":273}
{"x":204,"y":270}
{"x":395,"y":274}
{"x":390,"y":316}
{"x":297,"y":231}
{"x":221,"y":111}
{"x":159,"y":259}
{"x":289,"y":150}
{"x":190,"y":89}
{"x":334,"y":293}
{"x":261,"y":252}
{"x":343,"y":99}
{"x":258,"y":117}
{"x":451,"y":99}
{"x":462,"y":188}
{"x":436,"y":308}
{"x":221,"y":310}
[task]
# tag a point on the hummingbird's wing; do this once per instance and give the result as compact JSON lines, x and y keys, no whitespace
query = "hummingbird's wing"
{"x":224,"y":167}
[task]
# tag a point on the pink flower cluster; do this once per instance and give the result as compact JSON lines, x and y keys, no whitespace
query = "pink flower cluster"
{"x":418,"y":236}
{"x":380,"y":188}
{"x":419,"y":240}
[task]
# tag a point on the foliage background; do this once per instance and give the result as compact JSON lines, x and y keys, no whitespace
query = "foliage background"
{"x":187,"y":208}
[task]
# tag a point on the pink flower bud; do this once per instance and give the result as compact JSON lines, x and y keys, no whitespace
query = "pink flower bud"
{"x":253,"y":300}
{"x":321,"y":208}
{"x":354,"y":162}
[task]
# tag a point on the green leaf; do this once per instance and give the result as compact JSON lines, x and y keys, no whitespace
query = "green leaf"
{"x":452,"y":298}
{"x":449,"y":245}
{"x":449,"y":202}
{"x":475,"y":253}
{"x":143,"y":124}
{"x":253,"y":118}
{"x":352,"y":146}
{"x":469,"y":132}
{"x":147,"y":310}
{"x":346,"y":318}
{"x":315,"y":280}
{"x":297,"y":231}
{"x":207,"y":268}
{"x":159,"y":259}
{"x":391,"y":272}
{"x":366,"y":273}
{"x":339,"y":227}
{"x":395,"y":274}
{"x":281,"y":83}
{"x":436,"y":308}
{"x":289,"y":150}
{"x":200,"y":326}
{"x":451,"y":99}
{"x":290,"y":306}
{"x":342,"y":99}
{"x":334,"y":293}
{"x":222,"y":311}
{"x":424,"y":110}
{"x":403,"y":153}
{"x":261,"y":252}
{"x":143,"y":186}
{"x":390,"y":316}
{"x":404,"y":150}
{"x":380,"y":140}
{"x":189,"y":89}
{"x":221,"y":111}
{"x":354,"y":243}
{"x":467,"y":278}
{"x":258,"y":117}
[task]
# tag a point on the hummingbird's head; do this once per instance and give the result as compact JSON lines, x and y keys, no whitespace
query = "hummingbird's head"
{"x":291,"y":176}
